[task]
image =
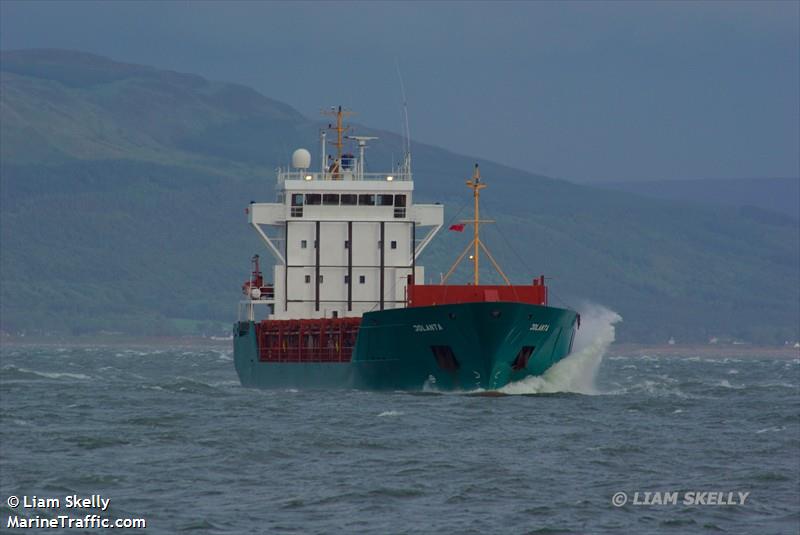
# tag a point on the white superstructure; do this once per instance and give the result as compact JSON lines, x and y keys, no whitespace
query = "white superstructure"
{"x":344,"y":240}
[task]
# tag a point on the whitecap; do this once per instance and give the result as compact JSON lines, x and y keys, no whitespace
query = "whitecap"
{"x":56,"y":375}
{"x":770,"y":429}
{"x":726,"y":384}
{"x":575,"y":373}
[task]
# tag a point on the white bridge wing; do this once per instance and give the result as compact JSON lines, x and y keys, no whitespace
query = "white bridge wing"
{"x":427,"y":215}
{"x":271,"y":214}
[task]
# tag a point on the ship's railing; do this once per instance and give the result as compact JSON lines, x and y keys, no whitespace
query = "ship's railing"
{"x":307,"y":340}
{"x":304,"y":354}
{"x":246,"y":308}
{"x":342,"y":175}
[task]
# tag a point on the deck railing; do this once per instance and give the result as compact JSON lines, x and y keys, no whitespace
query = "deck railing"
{"x":339,"y":176}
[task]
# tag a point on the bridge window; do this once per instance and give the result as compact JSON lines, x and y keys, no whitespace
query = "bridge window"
{"x":330,"y":199}
{"x":297,"y":199}
{"x":400,"y":206}
{"x":366,"y":199}
{"x":385,"y":200}
{"x":313,"y":199}
{"x":349,"y":199}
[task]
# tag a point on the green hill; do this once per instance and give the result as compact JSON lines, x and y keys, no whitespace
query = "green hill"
{"x":780,"y":195}
{"x":124,"y":188}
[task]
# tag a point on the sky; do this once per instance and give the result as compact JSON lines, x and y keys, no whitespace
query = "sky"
{"x":586,"y":91}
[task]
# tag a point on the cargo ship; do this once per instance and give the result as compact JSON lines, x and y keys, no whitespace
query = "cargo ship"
{"x":348,"y":306}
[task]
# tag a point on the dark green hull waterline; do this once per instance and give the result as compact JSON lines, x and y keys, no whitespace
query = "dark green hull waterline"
{"x":393,"y":349}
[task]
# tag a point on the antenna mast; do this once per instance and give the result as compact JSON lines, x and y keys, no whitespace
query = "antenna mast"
{"x":406,"y":131}
{"x":476,"y":187}
{"x":340,"y":129}
{"x":476,"y":244}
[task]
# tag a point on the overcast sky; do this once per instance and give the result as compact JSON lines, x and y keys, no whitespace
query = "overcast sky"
{"x":584,"y":91}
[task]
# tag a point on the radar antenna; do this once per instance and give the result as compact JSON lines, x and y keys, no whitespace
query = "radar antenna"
{"x":362,"y":145}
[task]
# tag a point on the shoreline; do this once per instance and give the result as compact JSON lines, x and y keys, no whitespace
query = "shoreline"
{"x":704,"y":351}
{"x":619,"y":350}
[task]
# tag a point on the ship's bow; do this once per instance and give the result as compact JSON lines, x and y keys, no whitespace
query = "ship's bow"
{"x":461,"y":346}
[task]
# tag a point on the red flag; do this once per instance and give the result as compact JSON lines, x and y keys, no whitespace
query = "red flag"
{"x":459,"y":227}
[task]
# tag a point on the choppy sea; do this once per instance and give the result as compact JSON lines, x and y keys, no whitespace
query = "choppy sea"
{"x":168,"y":435}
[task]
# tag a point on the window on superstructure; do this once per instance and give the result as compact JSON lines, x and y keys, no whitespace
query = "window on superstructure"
{"x":399,"y":205}
{"x":308,"y":279}
{"x":366,"y":199}
{"x":313,"y":199}
{"x":385,"y":200}
{"x":321,"y":278}
{"x":347,"y":279}
{"x":346,"y":244}
{"x":394,"y":244}
{"x":330,"y":199}
{"x":362,"y":279}
{"x":297,"y":199}
{"x":349,"y":199}
{"x":303,"y":244}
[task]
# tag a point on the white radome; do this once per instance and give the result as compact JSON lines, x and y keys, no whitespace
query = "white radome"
{"x":301,"y":159}
{"x":255,"y":293}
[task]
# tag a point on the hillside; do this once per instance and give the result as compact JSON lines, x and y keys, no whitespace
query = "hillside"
{"x":779,"y":195}
{"x":123,"y":190}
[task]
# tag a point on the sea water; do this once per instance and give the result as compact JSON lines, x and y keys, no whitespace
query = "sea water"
{"x":167,"y":434}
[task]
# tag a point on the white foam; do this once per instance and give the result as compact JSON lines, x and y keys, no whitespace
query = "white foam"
{"x":54,"y":375}
{"x":390,"y":413}
{"x":577,"y":372}
{"x":726,"y":384}
{"x":770,"y":429}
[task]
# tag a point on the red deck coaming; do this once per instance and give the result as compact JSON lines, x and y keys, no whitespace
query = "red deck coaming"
{"x":311,"y":340}
{"x":431,"y":295}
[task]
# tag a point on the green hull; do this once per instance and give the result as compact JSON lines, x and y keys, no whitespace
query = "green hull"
{"x":394,"y":349}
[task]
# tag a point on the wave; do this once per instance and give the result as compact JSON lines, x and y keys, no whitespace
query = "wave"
{"x":26,"y":373}
{"x":576,"y":373}
{"x":390,"y":413}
